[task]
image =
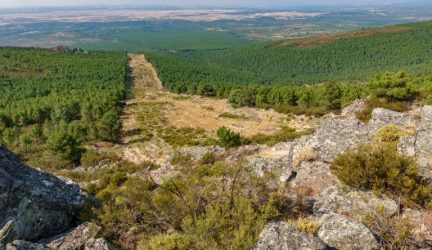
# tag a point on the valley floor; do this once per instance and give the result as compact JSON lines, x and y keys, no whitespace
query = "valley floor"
{"x":156,"y":121}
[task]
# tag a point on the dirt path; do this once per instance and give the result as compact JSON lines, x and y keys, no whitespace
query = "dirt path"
{"x":151,"y":113}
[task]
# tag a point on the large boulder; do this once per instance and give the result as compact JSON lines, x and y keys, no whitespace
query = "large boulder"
{"x":284,"y":236}
{"x":381,"y":117}
{"x":342,"y":233}
{"x":33,"y":204}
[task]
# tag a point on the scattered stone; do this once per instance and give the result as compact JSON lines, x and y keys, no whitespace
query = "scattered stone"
{"x":342,"y":233}
{"x":284,"y":236}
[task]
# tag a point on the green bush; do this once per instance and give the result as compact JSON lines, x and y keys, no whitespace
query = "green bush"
{"x":196,"y":209}
{"x":174,"y":241}
{"x":227,"y":138}
{"x":373,"y":102}
{"x":389,"y":134}
{"x":381,"y":169}
{"x":91,"y":158}
{"x":391,"y":86}
{"x":64,"y":145}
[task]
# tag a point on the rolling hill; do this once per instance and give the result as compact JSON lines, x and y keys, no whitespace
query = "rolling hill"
{"x":350,"y":56}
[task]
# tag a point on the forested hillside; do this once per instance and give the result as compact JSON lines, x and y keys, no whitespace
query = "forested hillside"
{"x":272,"y":75}
{"x":347,"y":56}
{"x":51,"y":102}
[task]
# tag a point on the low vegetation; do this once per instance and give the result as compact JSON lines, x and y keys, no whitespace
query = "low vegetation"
{"x":393,"y":231}
{"x":227,"y":138}
{"x":381,"y":169}
{"x":204,"y":206}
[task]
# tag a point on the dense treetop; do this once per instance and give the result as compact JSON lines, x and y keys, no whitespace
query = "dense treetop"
{"x":350,"y":56}
{"x":63,"y":98}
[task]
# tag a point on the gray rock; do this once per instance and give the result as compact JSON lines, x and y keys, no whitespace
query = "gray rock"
{"x":406,"y":146}
{"x":381,"y":117}
{"x":33,"y":204}
{"x":74,"y":239}
{"x":283,"y":236}
{"x":424,"y":142}
{"x":353,"y":108}
{"x":342,"y":233}
{"x":315,"y":175}
{"x":356,"y":204}
{"x":197,"y":152}
{"x":98,"y":244}
{"x":24,"y":245}
{"x":280,"y":166}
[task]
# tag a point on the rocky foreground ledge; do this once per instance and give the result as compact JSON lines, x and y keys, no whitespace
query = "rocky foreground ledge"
{"x":339,"y":209}
{"x":39,"y":210}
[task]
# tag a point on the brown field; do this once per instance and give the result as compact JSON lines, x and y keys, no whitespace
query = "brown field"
{"x":331,"y":37}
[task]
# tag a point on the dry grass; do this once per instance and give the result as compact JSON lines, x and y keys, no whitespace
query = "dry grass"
{"x":305,"y":154}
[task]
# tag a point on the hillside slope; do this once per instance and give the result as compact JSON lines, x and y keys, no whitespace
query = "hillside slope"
{"x":345,"y":56}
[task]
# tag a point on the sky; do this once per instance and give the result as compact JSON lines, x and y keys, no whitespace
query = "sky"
{"x":227,"y":3}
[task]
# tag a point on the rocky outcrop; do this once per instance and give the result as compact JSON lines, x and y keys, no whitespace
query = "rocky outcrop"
{"x":33,"y":204}
{"x":354,"y":203}
{"x":353,"y":108}
{"x":36,"y":205}
{"x":340,"y":232}
{"x":341,"y":209}
{"x":283,"y":236}
{"x":314,"y":175}
{"x":24,"y":245}
{"x":80,"y":238}
{"x":423,"y":142}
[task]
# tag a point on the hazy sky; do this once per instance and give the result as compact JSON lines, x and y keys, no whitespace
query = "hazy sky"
{"x":234,"y":3}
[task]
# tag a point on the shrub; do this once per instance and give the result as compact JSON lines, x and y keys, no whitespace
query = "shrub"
{"x":232,"y":116}
{"x":392,"y":86}
{"x":208,"y":158}
{"x":91,"y":158}
{"x":181,"y":159}
{"x":381,"y":169}
{"x":389,"y":134}
{"x":227,"y":138}
{"x":393,"y":232}
{"x":64,"y":145}
{"x":177,"y":241}
{"x":373,"y":102}
{"x":306,"y":225}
